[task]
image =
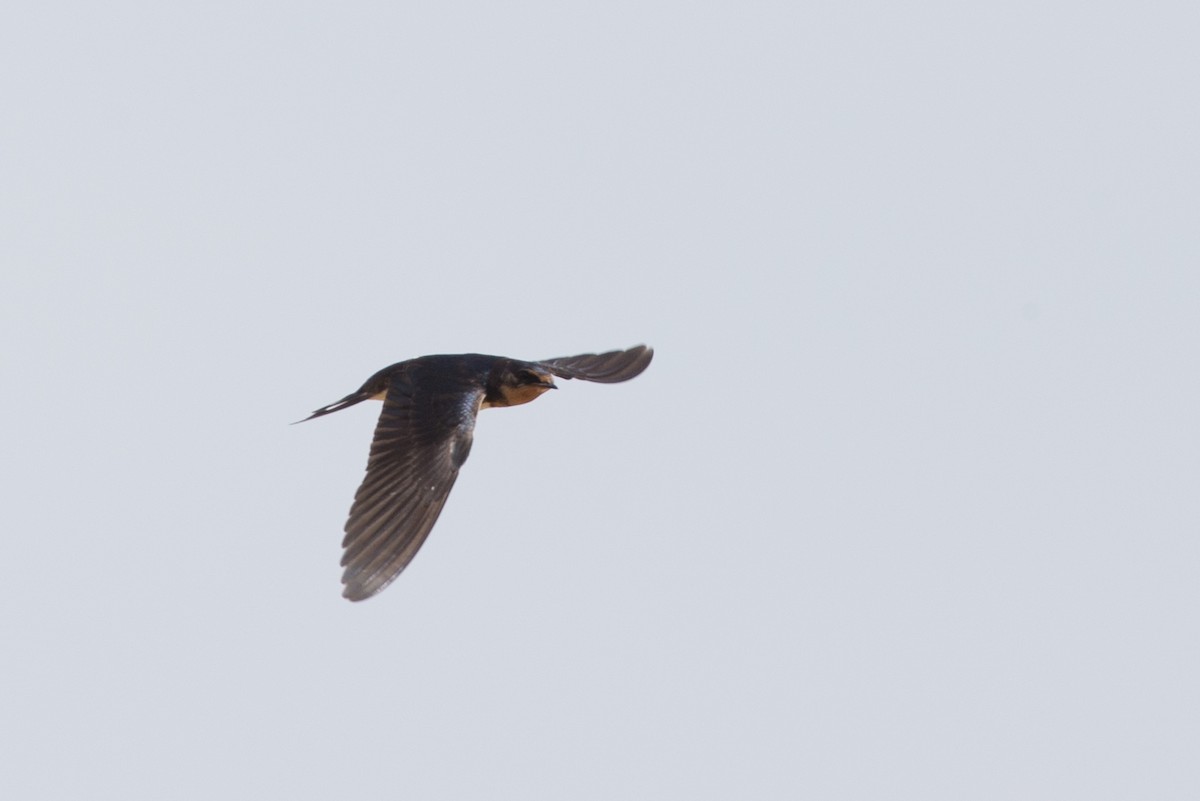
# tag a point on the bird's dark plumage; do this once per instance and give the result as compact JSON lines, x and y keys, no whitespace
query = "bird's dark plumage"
{"x":423,"y":437}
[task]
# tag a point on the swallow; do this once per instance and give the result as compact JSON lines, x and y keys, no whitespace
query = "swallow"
{"x":423,"y":437}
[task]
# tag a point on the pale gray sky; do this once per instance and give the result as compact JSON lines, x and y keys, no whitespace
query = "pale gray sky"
{"x":905,"y":508}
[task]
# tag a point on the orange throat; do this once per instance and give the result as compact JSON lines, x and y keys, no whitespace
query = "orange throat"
{"x":514,"y":396}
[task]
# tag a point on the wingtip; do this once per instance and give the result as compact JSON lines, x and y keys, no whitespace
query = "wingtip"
{"x":632,"y":362}
{"x":358,"y":589}
{"x":610,"y":367}
{"x":355,"y":588}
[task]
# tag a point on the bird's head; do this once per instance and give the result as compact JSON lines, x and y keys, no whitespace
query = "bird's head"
{"x":520,"y":383}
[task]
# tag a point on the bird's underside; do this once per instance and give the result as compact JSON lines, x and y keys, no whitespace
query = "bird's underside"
{"x":423,"y":437}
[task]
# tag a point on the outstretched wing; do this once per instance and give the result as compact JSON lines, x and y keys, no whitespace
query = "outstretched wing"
{"x":421,"y":440}
{"x":605,"y":368}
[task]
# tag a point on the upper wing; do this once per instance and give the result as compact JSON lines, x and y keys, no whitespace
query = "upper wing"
{"x":420,"y":442}
{"x":605,"y":368}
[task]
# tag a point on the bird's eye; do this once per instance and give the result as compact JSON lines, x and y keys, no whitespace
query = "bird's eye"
{"x":528,"y":377}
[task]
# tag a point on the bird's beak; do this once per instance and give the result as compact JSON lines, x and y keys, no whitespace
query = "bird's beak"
{"x":547,"y":385}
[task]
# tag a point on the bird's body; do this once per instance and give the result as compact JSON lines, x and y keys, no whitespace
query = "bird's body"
{"x":423,"y":437}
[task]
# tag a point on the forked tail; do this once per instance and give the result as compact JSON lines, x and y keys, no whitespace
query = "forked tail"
{"x":349,"y":400}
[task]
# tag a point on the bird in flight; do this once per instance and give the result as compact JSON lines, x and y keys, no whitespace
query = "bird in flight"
{"x":423,"y":437}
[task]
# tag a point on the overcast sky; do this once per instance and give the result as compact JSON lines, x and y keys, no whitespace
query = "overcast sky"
{"x":905,"y":508}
